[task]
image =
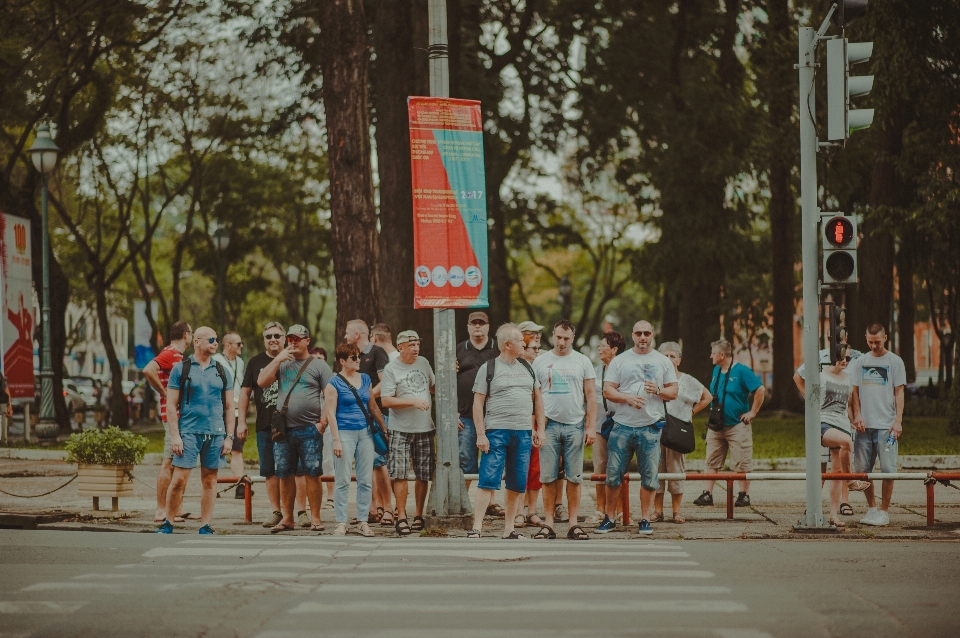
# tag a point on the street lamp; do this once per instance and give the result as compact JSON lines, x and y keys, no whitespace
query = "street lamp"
{"x":566,"y":288}
{"x":43,"y":152}
{"x":221,"y":238}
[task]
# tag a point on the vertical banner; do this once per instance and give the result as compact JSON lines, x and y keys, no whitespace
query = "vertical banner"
{"x":449,"y":203}
{"x":143,"y":353}
{"x":18,"y":322}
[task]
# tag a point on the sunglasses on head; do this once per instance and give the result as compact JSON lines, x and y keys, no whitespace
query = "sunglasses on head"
{"x":294,"y":339}
{"x":273,"y":336}
{"x":642,"y":333}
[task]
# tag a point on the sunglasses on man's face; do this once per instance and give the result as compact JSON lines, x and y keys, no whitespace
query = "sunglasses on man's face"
{"x":642,"y":333}
{"x":478,"y":322}
{"x":294,"y":339}
{"x":212,"y":340}
{"x":273,"y":336}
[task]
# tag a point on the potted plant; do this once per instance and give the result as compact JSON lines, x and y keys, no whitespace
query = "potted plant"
{"x":105,"y":460}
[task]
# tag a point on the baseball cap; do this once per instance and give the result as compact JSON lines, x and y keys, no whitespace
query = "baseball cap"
{"x":273,"y":324}
{"x":407,"y":335}
{"x":298,"y":330}
{"x":529,"y":326}
{"x":478,"y":315}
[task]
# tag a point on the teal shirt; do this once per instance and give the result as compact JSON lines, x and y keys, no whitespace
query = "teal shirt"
{"x":743,"y":382}
{"x":203,"y":404}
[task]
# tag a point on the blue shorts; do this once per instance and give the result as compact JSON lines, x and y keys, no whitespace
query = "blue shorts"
{"x":268,"y":466}
{"x":869,"y":446}
{"x":562,"y":440}
{"x":510,"y":450}
{"x":623,"y":442}
{"x":207,"y":447}
{"x":303,"y":445}
{"x":467,"y":438}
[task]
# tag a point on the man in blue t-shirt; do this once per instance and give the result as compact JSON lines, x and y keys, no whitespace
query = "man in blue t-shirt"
{"x":204,"y":427}
{"x":731,"y":386}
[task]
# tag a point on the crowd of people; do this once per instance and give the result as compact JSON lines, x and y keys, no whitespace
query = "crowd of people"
{"x":526,"y":417}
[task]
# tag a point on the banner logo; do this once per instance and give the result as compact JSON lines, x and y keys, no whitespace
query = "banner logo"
{"x":423,"y":276}
{"x":20,"y":238}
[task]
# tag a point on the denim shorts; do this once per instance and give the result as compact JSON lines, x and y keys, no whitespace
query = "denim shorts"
{"x":467,"y":438}
{"x":207,"y":447}
{"x":824,"y":427}
{"x":562,"y":440}
{"x":268,"y":466}
{"x":510,"y":450}
{"x":302,"y":445}
{"x":869,"y":446}
{"x":623,"y":442}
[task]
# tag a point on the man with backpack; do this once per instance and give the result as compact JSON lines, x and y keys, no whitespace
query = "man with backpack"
{"x":204,"y":427}
{"x":505,"y":394}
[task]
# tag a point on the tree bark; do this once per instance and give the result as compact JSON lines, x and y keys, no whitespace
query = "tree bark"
{"x":907,"y":311}
{"x":699,"y":320}
{"x":118,"y":402}
{"x":345,"y":55}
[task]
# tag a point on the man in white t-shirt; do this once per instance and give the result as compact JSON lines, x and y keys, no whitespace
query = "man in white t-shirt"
{"x":877,"y":400}
{"x":640,"y":380}
{"x":567,"y":382}
{"x":229,"y":358}
{"x":408,"y":382}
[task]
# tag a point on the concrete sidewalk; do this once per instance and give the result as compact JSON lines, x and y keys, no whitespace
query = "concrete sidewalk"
{"x":777,"y":506}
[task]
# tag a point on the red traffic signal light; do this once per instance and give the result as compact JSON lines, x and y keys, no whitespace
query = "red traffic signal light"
{"x":838,"y":231}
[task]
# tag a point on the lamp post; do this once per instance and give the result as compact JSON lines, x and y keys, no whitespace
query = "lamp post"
{"x":221,"y":238}
{"x":566,"y":289}
{"x":43,"y":152}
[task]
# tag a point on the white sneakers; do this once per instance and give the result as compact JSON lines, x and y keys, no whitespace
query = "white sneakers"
{"x":876,"y":517}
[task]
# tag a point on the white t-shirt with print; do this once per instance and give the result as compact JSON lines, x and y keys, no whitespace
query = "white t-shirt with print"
{"x":408,"y":381}
{"x":877,"y":377}
{"x":561,"y":383}
{"x":688,"y":395}
{"x":628,"y":371}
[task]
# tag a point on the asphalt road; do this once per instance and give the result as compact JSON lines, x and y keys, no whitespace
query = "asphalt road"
{"x":122,"y":584}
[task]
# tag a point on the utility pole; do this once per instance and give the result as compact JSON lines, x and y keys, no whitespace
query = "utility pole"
{"x":448,"y":505}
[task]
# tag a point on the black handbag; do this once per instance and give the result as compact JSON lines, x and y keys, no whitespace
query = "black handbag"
{"x":715,"y":420}
{"x":278,"y":420}
{"x":380,"y":445}
{"x":607,"y":426}
{"x":677,"y":434}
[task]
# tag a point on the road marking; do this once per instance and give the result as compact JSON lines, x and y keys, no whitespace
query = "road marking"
{"x":303,"y":551}
{"x":236,"y":552}
{"x":527,"y":606}
{"x":679,"y":632}
{"x":514,"y":553}
{"x":76,"y":586}
{"x":109,"y":576}
{"x":528,"y":570}
{"x":301,"y":566}
{"x":353,"y":588}
{"x":38,"y":607}
{"x":525,"y":565}
{"x":292,"y":540}
{"x":251,"y":576}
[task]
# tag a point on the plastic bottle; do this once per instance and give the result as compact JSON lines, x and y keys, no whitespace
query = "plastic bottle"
{"x":891,"y":439}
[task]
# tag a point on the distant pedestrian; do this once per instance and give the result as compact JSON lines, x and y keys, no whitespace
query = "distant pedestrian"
{"x":373,"y":359}
{"x":502,"y":405}
{"x":302,"y":380}
{"x":691,"y":398}
{"x":5,"y":396}
{"x":349,"y":399}
{"x":731,"y":386}
{"x":568,"y":386}
{"x":381,"y":335}
{"x":611,"y":344}
{"x":640,"y":380}
{"x":408,"y":383}
{"x":157,"y":374}
{"x":265,"y":400}
{"x":879,"y":377}
{"x":319,"y":353}
{"x":529,"y":516}
{"x":229,"y":357}
{"x":204,"y":428}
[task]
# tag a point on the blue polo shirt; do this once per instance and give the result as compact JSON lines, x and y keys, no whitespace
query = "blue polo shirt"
{"x":743,"y":382}
{"x":203,"y":404}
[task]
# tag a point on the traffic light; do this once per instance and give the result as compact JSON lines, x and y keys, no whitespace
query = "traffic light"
{"x":837,"y":316}
{"x":839,"y":241}
{"x":841,"y":86}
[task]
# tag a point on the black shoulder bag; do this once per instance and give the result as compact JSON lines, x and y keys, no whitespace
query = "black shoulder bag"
{"x":715,"y":421}
{"x":380,"y":445}
{"x":677,"y":434}
{"x":607,"y":426}
{"x":278,"y":420}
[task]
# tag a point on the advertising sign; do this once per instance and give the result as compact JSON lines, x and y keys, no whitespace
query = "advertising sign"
{"x":18,"y":322}
{"x":449,"y":203}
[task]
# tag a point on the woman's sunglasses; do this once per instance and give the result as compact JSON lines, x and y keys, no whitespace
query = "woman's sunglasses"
{"x":352,"y":357}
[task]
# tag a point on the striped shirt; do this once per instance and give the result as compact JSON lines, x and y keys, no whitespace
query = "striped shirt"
{"x":167,"y":358}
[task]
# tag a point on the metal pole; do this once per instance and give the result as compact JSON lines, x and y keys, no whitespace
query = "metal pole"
{"x":449,"y":504}
{"x":811,"y":302}
{"x":47,"y":415}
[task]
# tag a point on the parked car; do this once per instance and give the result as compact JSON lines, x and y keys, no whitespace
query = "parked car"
{"x":88,"y":387}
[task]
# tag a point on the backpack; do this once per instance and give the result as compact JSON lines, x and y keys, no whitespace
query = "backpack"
{"x":184,"y":394}
{"x":491,"y":365}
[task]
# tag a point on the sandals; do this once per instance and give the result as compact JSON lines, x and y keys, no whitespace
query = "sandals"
{"x":375,"y":517}
{"x":857,"y":486}
{"x":317,"y":528}
{"x":387,"y":520}
{"x":474,"y":533}
{"x":657,"y":517}
{"x":533,"y":520}
{"x":679,"y":519}
{"x":328,"y":504}
{"x":519,"y":520}
{"x":365,"y":530}
{"x":495,"y":511}
{"x":513,"y":536}
{"x":846,"y":509}
{"x":276,"y":529}
{"x":545,"y":533}
{"x":302,"y":519}
{"x":576,"y":533}
{"x":341,"y":529}
{"x":418,"y":523}
{"x":403,"y":528}
{"x":837,"y":523}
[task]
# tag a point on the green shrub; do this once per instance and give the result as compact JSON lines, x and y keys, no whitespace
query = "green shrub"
{"x":111,"y":446}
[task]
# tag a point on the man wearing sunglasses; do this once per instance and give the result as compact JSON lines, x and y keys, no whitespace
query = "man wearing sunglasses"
{"x":229,"y":357}
{"x":639,"y":380}
{"x":303,"y":442}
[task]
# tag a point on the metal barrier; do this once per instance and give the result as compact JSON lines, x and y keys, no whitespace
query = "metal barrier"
{"x":247,"y":493}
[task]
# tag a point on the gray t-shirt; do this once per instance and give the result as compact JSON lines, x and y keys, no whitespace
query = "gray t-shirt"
{"x":306,"y":404}
{"x":877,"y":377}
{"x":408,"y":381}
{"x":628,"y":372}
{"x":510,"y":397}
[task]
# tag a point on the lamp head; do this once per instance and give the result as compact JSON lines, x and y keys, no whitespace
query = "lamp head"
{"x":43,"y":152}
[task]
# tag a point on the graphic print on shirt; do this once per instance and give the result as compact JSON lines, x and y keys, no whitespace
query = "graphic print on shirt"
{"x":556,"y":383}
{"x":415,"y":382}
{"x":633,"y":377}
{"x":270,"y":395}
{"x":874,"y":375}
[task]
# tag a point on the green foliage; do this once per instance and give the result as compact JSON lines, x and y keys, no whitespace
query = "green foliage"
{"x":110,"y":446}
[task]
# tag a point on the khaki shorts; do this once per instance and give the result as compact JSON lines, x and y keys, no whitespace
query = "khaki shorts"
{"x":671,"y":461}
{"x":739,"y":440}
{"x":599,"y":454}
{"x":167,"y":442}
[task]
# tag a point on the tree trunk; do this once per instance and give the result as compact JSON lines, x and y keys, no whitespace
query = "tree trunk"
{"x":907,"y":312}
{"x":498,"y":276}
{"x":345,"y":56}
{"x":118,"y":403}
{"x":670,"y":330}
{"x":393,"y":83}
{"x":699,"y":320}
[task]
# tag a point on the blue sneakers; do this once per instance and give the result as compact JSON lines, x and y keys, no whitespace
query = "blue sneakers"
{"x":206,"y":529}
{"x":165,"y":528}
{"x":606,"y":526}
{"x":645,"y":527}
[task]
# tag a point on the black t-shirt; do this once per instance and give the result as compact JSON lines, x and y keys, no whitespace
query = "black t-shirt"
{"x":469,"y":360}
{"x":264,"y":398}
{"x":372,"y":363}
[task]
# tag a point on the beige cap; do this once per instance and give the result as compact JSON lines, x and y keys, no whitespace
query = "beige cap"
{"x":478,"y":315}
{"x":529,"y":326}
{"x":407,"y":335}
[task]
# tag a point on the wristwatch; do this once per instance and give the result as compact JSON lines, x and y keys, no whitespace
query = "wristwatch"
{"x":229,"y":436}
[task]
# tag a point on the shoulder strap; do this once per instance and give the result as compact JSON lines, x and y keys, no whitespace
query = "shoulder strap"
{"x":603,"y":373}
{"x":725,"y":382}
{"x":526,"y":364}
{"x":491,"y":365}
{"x":184,"y":381}
{"x":356,"y":395}
{"x":223,"y":393}
{"x":286,"y":401}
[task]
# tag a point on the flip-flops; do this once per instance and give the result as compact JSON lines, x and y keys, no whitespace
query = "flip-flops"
{"x":657,"y":517}
{"x":857,"y":486}
{"x":186,"y":516}
{"x":576,"y":533}
{"x":276,"y":529}
{"x":317,"y":528}
{"x":846,"y":509}
{"x":545,"y":533}
{"x":495,"y":511}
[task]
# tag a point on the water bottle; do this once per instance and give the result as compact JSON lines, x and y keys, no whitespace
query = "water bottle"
{"x":890,"y":441}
